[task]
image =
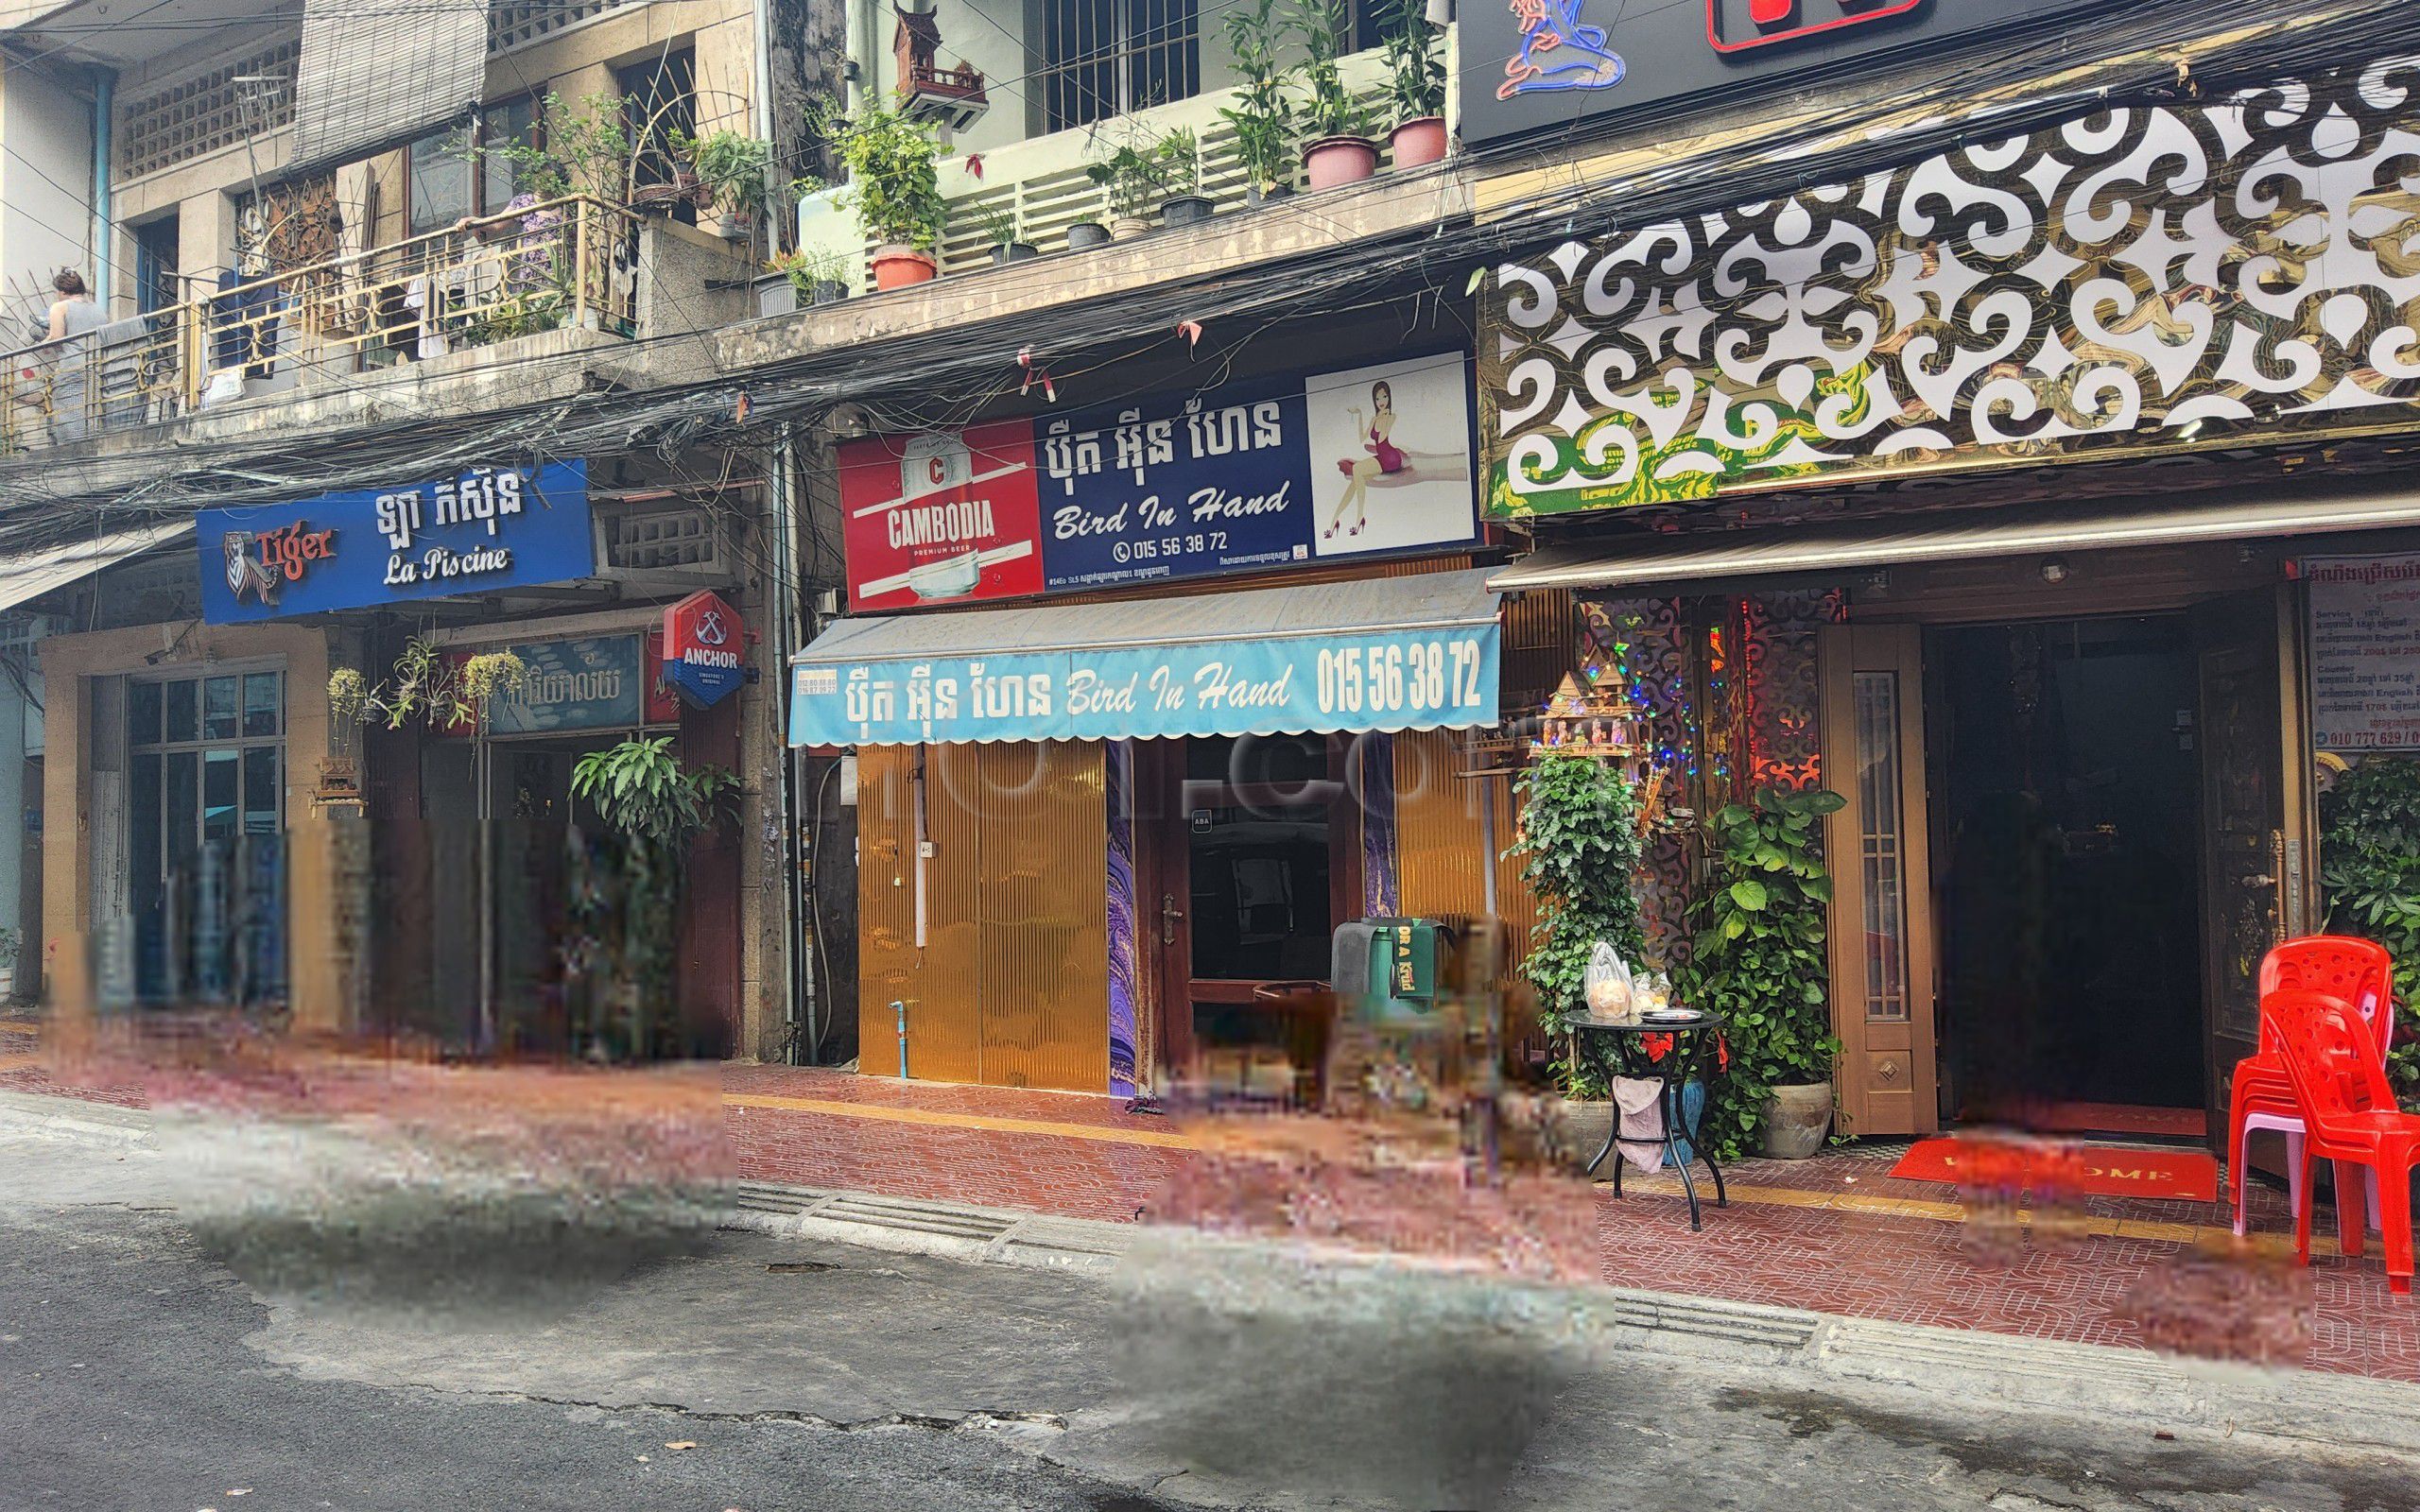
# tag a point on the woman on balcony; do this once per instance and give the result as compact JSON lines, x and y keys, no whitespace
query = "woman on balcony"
{"x":72,"y":314}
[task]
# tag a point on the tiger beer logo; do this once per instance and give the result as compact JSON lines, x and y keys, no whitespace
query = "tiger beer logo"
{"x":261,"y":563}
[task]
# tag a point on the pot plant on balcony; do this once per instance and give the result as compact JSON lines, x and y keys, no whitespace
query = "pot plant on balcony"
{"x":1183,"y":200}
{"x":1337,"y":148}
{"x":895,"y":188}
{"x":1262,"y":116}
{"x":1758,"y":958}
{"x":818,"y":275}
{"x":1579,"y":849}
{"x":731,"y":168}
{"x":1000,"y":228}
{"x":1136,"y":177}
{"x":1416,"y":85}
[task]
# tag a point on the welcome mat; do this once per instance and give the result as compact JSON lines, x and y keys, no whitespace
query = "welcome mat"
{"x":1980,"y":1162}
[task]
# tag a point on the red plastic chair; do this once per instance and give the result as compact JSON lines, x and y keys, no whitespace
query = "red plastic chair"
{"x":2331,"y":1057}
{"x":2358,"y":972}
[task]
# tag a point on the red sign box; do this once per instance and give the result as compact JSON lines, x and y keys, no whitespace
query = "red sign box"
{"x":703,"y":653}
{"x":941,"y":518}
{"x":1735,"y":26}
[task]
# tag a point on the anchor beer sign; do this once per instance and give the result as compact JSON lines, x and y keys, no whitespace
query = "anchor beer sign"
{"x":705,"y":649}
{"x":480,"y":530}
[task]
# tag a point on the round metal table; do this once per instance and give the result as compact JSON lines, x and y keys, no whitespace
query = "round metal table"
{"x":1626,"y":1044}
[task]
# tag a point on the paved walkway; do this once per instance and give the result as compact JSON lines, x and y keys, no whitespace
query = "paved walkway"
{"x":1837,"y":1233}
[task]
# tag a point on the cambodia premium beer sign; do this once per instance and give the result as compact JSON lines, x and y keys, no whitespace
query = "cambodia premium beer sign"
{"x":1241,"y":477}
{"x":478,"y":531}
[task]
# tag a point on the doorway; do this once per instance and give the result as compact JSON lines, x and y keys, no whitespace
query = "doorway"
{"x":1257,"y":861}
{"x":2065,"y":796}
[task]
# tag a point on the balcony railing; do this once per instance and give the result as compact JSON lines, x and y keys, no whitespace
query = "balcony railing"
{"x":566,"y":264}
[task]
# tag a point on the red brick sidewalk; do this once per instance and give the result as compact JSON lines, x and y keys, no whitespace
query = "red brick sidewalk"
{"x":1836,"y":1234}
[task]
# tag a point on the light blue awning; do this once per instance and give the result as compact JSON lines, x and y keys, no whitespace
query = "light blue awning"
{"x":1374,"y":654}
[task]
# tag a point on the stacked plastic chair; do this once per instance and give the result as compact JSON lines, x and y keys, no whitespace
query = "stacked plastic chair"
{"x":2356,"y":971}
{"x":2349,"y":1115}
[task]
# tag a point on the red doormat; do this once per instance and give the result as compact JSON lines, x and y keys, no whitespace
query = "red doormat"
{"x":1980,"y":1162}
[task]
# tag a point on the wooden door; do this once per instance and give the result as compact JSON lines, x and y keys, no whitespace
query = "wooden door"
{"x":1247,"y":883}
{"x":2256,"y":848}
{"x":1877,"y":848}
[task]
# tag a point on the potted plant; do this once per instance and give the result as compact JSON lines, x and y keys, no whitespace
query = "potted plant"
{"x":1579,"y":847}
{"x":1415,"y":58}
{"x":1001,"y":230}
{"x":1183,"y":201}
{"x":1758,"y":958}
{"x":1085,"y":233}
{"x":818,"y":275}
{"x":12,"y":946}
{"x":657,"y":807}
{"x":731,"y":170}
{"x":895,"y":188}
{"x":1134,"y":175}
{"x":586,"y":151}
{"x":1337,"y":149}
{"x":1262,"y":115}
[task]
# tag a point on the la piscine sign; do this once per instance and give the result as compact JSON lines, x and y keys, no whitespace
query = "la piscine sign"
{"x":480,"y":530}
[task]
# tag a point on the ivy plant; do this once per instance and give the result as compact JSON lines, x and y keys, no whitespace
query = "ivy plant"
{"x":656,"y":805}
{"x":1580,"y":850}
{"x":2369,"y":850}
{"x":1757,"y":956}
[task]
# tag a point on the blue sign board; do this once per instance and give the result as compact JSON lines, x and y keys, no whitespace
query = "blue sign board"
{"x":591,"y":684}
{"x":1427,"y":679}
{"x":478,"y":531}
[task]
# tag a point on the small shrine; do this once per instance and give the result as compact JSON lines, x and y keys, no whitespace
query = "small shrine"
{"x":952,"y":98}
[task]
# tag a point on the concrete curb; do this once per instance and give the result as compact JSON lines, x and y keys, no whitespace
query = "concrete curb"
{"x":75,"y":1117}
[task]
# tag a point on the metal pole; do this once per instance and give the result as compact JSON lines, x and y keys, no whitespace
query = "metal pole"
{"x":899,"y":1010}
{"x":104,"y":108}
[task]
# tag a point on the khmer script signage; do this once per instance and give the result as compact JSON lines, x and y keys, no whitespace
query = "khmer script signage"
{"x":2365,"y":652}
{"x":1246,"y":476}
{"x":480,"y":530}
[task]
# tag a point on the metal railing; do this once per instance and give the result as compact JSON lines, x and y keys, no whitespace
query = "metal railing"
{"x":563,"y":264}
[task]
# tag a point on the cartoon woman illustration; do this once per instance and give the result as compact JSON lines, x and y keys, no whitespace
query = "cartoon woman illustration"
{"x":1558,"y":51}
{"x":1383,"y":460}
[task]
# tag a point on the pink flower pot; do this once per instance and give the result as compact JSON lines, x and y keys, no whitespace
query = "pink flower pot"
{"x":1419,"y":140}
{"x":1338,"y":159}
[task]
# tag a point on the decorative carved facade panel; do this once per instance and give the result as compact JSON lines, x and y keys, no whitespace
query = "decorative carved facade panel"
{"x":2145,"y":278}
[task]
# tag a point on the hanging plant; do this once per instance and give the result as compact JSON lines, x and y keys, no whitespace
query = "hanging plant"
{"x":426,"y":684}
{"x":1758,"y":956}
{"x":657,"y":807}
{"x":1580,"y":850}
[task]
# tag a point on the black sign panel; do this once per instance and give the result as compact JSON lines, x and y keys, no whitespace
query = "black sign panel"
{"x":1535,"y":65}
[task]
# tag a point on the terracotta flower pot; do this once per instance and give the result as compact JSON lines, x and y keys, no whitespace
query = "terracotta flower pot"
{"x":1419,"y":140}
{"x":895,"y":267}
{"x":1340,"y":160}
{"x":1124,"y":227}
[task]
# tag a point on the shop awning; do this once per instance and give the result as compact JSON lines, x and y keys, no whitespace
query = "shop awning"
{"x":1816,"y":549}
{"x":1375,"y":654}
{"x":26,"y":577}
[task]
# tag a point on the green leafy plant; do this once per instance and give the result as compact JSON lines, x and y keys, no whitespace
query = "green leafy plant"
{"x":808,"y":266}
{"x":732,"y":167}
{"x":1415,"y":58}
{"x":1580,"y":850}
{"x":1000,"y":226}
{"x":657,"y":807}
{"x":586,"y":151}
{"x":1758,"y":958}
{"x":2369,"y":854}
{"x":1327,"y":107}
{"x":1262,"y":115}
{"x":425,"y":683}
{"x":894,"y":181}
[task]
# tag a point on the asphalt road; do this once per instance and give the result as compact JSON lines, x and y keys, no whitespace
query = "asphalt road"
{"x":192,"y":1330}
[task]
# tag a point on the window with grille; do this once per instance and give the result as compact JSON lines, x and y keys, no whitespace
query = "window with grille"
{"x":447,"y":177}
{"x":659,"y":107}
{"x":1104,"y":57}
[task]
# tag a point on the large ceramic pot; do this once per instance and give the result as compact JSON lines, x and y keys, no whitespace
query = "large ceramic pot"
{"x":897,"y":265}
{"x":1796,"y":1119}
{"x":1126,"y":228}
{"x":1340,"y":160}
{"x":1419,"y":140}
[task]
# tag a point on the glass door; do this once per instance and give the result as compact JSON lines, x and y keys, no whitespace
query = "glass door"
{"x":206,"y":837}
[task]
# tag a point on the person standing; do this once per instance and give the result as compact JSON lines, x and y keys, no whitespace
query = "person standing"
{"x":72,"y":316}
